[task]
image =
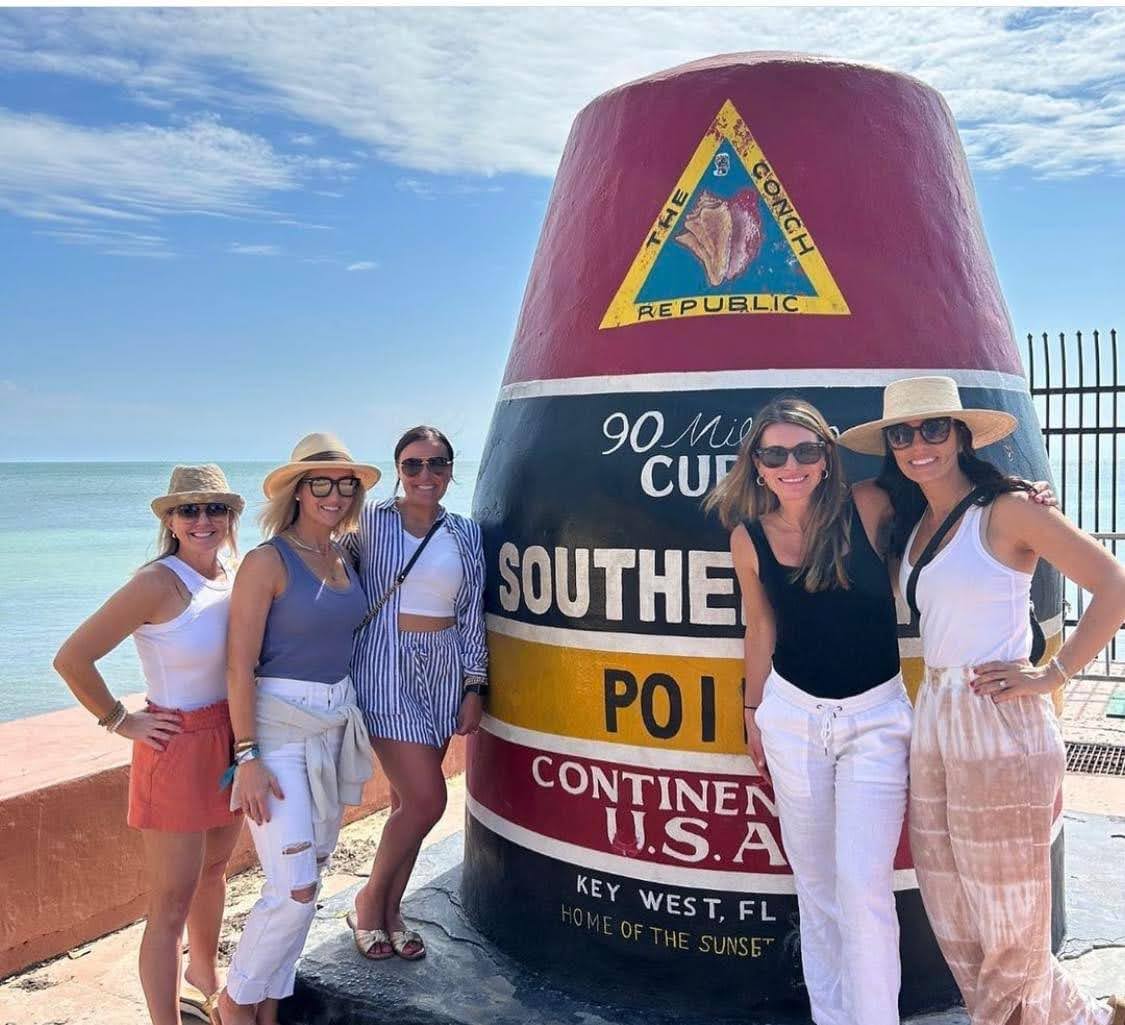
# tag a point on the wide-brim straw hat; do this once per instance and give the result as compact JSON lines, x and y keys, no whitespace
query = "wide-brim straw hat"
{"x":921,"y":398}
{"x":318,"y":451}
{"x":193,"y":484}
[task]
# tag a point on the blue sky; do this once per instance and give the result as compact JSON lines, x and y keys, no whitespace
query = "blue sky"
{"x":221,"y":228}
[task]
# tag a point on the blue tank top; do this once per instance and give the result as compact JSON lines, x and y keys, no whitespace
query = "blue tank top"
{"x":309,"y":628}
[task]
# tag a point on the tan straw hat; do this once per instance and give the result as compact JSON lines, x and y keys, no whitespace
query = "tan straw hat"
{"x":190,"y":484}
{"x":319,"y":451}
{"x":920,"y":398}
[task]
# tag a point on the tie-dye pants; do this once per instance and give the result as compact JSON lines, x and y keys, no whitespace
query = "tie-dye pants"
{"x":983,"y":783}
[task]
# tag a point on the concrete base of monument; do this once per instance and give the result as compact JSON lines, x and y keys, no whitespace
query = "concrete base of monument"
{"x":465,"y":980}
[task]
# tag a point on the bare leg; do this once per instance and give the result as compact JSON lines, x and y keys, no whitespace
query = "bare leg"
{"x":205,"y":917}
{"x":267,"y":1011}
{"x":414,"y":771}
{"x":173,"y":862}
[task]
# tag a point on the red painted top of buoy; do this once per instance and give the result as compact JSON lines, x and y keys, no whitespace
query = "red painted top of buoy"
{"x":870,"y":158}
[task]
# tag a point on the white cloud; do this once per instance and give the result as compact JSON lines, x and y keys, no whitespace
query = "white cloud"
{"x":363,"y":265}
{"x":494,"y":90}
{"x":240,"y":249}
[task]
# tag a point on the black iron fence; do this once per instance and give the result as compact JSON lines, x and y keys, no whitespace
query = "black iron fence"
{"x":1078,"y":387}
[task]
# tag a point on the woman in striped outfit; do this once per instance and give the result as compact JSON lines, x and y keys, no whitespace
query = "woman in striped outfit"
{"x":419,"y":667}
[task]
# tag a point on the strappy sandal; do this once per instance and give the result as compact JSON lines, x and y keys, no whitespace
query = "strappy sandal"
{"x":193,"y":1004}
{"x":366,"y":939}
{"x":1117,"y":1004}
{"x":402,"y":938}
{"x":210,"y":1007}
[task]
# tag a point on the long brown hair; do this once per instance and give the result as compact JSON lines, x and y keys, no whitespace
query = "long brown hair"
{"x":739,"y":497}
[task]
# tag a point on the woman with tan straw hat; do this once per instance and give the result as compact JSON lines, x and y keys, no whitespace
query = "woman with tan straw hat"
{"x":986,"y":758}
{"x":420,"y":667}
{"x":176,"y":608}
{"x":301,"y":748}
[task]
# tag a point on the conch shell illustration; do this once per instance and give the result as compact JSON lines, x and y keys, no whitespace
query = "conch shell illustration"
{"x":723,"y":234}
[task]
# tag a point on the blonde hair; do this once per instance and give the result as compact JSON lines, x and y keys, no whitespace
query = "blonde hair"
{"x":739,"y":497}
{"x":168,"y":544}
{"x":281,"y":511}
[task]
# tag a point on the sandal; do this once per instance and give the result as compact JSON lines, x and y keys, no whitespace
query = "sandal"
{"x":210,"y":1007}
{"x":1117,"y":1005}
{"x":402,"y":938}
{"x":367,"y":939}
{"x":193,"y":1003}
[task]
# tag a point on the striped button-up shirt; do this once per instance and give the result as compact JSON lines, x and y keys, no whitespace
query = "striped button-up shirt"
{"x":377,"y":549}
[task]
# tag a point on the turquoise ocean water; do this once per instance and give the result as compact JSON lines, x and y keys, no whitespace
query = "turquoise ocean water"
{"x":71,"y":534}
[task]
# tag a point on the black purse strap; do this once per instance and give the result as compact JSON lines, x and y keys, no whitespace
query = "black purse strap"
{"x":378,"y":606}
{"x":931,"y":548}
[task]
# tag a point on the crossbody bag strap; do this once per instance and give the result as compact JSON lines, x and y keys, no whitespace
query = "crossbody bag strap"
{"x":932,"y":546}
{"x":377,"y":607}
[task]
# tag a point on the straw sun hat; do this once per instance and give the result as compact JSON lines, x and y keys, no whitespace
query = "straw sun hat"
{"x":318,"y":451}
{"x":190,"y":484}
{"x":920,"y":398}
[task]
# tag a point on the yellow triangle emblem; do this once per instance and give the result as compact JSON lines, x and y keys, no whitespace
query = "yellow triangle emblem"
{"x":728,"y":240}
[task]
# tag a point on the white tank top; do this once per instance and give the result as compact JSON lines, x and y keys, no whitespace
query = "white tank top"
{"x":431,"y":586}
{"x":185,"y":659}
{"x":973,"y":608}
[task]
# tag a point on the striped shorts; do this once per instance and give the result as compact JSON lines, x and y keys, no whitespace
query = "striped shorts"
{"x":430,"y":670}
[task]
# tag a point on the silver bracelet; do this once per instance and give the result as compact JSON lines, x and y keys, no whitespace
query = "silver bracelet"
{"x":115,"y":723}
{"x":1058,"y":667}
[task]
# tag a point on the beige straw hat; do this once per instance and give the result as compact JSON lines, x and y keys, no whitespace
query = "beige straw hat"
{"x":920,"y":398}
{"x":319,"y":451}
{"x":189,"y":484}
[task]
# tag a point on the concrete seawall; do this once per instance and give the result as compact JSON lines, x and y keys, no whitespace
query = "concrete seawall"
{"x":70,"y":868}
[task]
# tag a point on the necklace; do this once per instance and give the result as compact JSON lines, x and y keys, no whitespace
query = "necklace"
{"x":791,"y":526}
{"x":292,"y":535}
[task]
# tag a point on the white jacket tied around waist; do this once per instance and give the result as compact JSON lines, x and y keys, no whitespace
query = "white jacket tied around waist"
{"x":332,"y":782}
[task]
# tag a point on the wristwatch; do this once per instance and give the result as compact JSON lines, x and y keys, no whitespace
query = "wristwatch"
{"x":475,"y":685}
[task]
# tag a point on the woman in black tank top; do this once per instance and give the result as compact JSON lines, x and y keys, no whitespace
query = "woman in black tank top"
{"x":827,"y":716}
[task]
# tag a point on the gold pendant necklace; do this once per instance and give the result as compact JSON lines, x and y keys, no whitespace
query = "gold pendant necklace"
{"x":307,"y":547}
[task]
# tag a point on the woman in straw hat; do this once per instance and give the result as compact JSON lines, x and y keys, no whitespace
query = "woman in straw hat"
{"x":176,"y":608}
{"x":301,"y":748}
{"x":987,"y":758}
{"x":420,"y":667}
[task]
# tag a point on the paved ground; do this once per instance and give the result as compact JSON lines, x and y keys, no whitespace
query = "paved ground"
{"x":98,"y":985}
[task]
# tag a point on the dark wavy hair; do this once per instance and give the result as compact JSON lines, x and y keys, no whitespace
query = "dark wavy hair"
{"x":909,"y":503}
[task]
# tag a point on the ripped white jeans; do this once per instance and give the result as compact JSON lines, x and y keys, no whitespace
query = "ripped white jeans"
{"x":293,"y":848}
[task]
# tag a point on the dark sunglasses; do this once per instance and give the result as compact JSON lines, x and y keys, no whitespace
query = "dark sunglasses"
{"x":321,"y":487}
{"x":775,"y":456}
{"x":191,"y":510}
{"x":934,"y":431}
{"x":438,"y":465}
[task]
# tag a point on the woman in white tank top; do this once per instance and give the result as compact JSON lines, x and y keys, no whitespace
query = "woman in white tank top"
{"x":176,"y":608}
{"x":986,"y":757}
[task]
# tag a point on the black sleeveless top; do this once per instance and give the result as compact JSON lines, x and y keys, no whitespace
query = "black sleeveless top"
{"x":835,"y":643}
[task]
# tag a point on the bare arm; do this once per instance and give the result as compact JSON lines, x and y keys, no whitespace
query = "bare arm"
{"x":758,"y":640}
{"x":261,"y":577}
{"x":151,"y":595}
{"x":1019,"y":527}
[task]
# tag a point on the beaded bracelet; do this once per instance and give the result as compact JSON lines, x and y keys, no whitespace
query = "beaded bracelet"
{"x":115,"y":723}
{"x":106,"y":719}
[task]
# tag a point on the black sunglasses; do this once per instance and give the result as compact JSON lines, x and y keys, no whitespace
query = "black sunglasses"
{"x":321,"y":487}
{"x":934,"y":431}
{"x":807,"y":453}
{"x":438,"y":465}
{"x":191,"y":510}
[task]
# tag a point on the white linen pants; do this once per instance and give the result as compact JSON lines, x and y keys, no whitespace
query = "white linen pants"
{"x":839,"y":770}
{"x":293,"y":848}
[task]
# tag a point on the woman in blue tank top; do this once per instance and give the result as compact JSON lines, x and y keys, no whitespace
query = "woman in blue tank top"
{"x":301,"y":748}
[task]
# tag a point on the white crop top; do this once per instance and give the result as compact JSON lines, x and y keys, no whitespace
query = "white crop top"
{"x":185,"y":659}
{"x":431,"y":586}
{"x":973,"y":608}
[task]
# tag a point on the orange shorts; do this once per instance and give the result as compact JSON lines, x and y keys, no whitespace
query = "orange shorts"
{"x":177,"y":790}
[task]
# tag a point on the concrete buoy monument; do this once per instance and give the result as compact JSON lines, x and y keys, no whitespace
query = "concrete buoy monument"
{"x":718,"y":234}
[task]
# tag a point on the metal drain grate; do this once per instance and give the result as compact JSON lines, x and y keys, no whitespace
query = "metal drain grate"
{"x":1096,"y":759}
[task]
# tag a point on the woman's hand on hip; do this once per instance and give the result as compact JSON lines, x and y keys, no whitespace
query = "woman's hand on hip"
{"x":469,"y":715}
{"x":754,"y":744}
{"x":153,"y":728}
{"x":255,"y":784}
{"x":1006,"y":681}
